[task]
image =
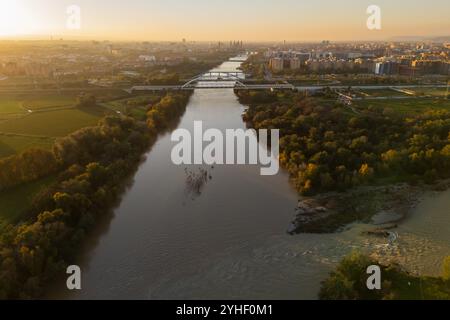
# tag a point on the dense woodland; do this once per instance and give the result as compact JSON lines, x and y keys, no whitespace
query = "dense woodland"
{"x":92,"y":166}
{"x":328,"y":146}
{"x":349,"y":282}
{"x":28,"y":166}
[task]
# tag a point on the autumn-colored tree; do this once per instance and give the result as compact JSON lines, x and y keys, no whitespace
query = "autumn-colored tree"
{"x":446,"y":269}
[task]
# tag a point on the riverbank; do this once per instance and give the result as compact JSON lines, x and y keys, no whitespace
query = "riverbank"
{"x":384,"y":207}
{"x":94,"y":165}
{"x":397,"y":284}
{"x":352,"y":166}
{"x":411,"y":237}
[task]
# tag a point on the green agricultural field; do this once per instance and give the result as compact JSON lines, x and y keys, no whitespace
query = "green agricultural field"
{"x":14,"y":202}
{"x":56,"y":123}
{"x":10,"y":116}
{"x":10,"y":144}
{"x":136,"y":101}
{"x":383,"y":93}
{"x":139,"y":113}
{"x":135,"y":106}
{"x":435,"y":92}
{"x":10,"y":104}
{"x":20,"y":103}
{"x":35,"y":102}
{"x":406,"y":106}
{"x":35,"y":120}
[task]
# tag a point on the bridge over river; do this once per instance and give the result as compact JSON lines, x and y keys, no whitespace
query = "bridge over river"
{"x":236,"y":80}
{"x":215,"y":80}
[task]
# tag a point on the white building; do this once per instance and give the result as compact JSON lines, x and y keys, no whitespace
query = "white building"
{"x":147,"y":58}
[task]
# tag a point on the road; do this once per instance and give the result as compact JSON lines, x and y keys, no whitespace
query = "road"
{"x":369,"y":87}
{"x":218,"y":86}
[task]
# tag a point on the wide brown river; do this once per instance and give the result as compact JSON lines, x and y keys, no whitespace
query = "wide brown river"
{"x":164,"y":241}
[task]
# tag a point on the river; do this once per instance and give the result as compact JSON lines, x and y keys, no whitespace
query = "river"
{"x":164,"y":241}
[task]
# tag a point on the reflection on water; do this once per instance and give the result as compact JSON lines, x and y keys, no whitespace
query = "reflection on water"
{"x":231,"y":242}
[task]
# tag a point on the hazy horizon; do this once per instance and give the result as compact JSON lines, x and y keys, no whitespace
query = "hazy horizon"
{"x":56,"y":37}
{"x":217,"y":20}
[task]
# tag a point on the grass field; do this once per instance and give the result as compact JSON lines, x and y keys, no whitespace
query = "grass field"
{"x":135,"y":106}
{"x":54,"y":123}
{"x":20,"y":103}
{"x":10,"y":104}
{"x":406,"y":106}
{"x":14,"y":202}
{"x":435,"y":92}
{"x":34,"y":102}
{"x":383,"y":93}
{"x":51,"y":116}
{"x":35,"y":120}
{"x":10,"y":116}
{"x":10,"y":145}
{"x":136,"y":101}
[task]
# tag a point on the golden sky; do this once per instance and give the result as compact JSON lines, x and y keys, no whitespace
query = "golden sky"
{"x":211,"y":20}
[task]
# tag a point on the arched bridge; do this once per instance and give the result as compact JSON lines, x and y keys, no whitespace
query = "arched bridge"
{"x":216,"y":79}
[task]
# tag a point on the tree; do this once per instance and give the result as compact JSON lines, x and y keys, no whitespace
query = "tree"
{"x":27,"y":166}
{"x":86,"y":100}
{"x":360,"y":144}
{"x":348,"y":282}
{"x":391,"y":158}
{"x":446,"y":269}
{"x":366,"y":172}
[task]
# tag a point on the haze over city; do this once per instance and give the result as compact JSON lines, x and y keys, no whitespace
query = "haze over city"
{"x":207,"y":20}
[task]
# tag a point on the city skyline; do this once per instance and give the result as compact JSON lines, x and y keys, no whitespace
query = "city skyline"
{"x":200,"y":20}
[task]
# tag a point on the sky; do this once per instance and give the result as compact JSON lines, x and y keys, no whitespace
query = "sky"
{"x":213,"y":20}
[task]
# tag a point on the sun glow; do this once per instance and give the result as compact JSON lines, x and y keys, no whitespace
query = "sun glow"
{"x":14,"y":19}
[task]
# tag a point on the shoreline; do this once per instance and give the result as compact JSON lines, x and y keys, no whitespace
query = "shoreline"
{"x":382,"y":207}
